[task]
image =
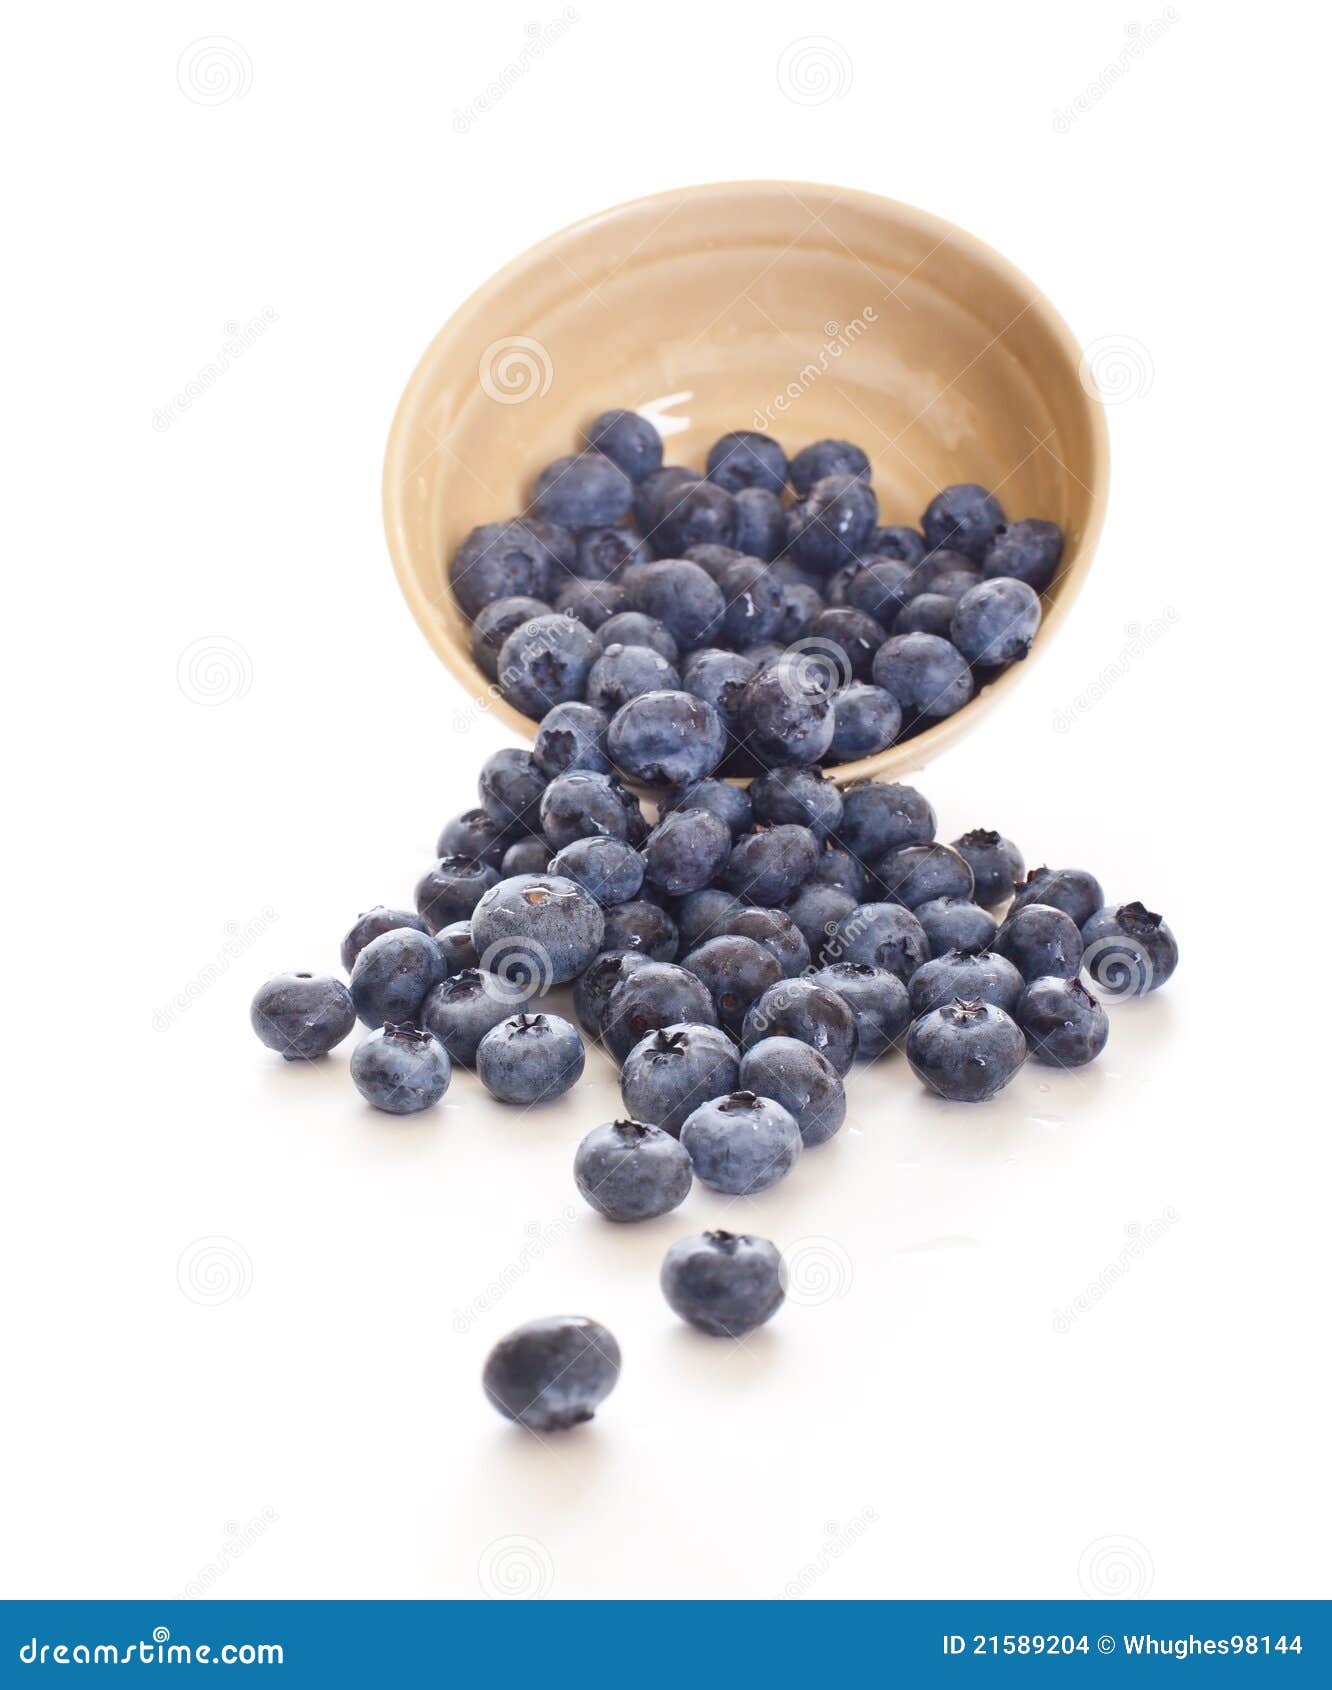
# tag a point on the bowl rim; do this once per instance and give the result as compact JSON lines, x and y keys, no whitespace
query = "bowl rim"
{"x":904,"y":757}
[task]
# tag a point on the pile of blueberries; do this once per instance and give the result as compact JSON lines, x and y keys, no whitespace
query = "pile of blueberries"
{"x":736,"y":951}
{"x":773,"y":635}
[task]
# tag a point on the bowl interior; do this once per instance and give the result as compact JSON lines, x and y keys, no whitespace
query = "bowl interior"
{"x":803,"y":311}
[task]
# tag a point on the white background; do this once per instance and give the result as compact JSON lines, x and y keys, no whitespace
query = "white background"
{"x":218,"y":706}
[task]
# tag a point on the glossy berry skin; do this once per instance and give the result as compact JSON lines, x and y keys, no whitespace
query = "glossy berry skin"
{"x":530,"y":1059}
{"x":630,"y":1171}
{"x":816,"y":909}
{"x":785,"y":715}
{"x":632,"y":627}
{"x":996,"y":622}
{"x":401,"y":1070}
{"x":755,"y":602}
{"x":802,"y":604}
{"x":878,"y":1000}
{"x":623,"y":672}
{"x":603,"y":552}
{"x":494,"y":623}
{"x":880,"y":588}
{"x":996,"y":863}
{"x":543,"y":915}
{"x":554,"y":1373}
{"x":724,"y":1283}
{"x":1028,"y":551}
{"x":545,"y":663}
{"x":572,"y":736}
{"x":1072,"y":890}
{"x":907,"y":545}
{"x":510,"y":786}
{"x":731,"y":803}
{"x":370,"y":924}
{"x":741,"y":1144}
{"x":966,"y":1052}
{"x":878,"y":816}
{"x":595,"y":984}
{"x":883,"y":935}
{"x":302,"y":1016}
{"x":866,"y":720}
{"x":802,"y":1080}
{"x":653,"y":493}
{"x":760,"y":523}
{"x":592,"y":603}
{"x":525,"y":856}
{"x":927,"y":676}
{"x":610,"y":870}
{"x":686,"y":850}
{"x":927,"y":613}
{"x":736,"y":971}
{"x":631,"y":442}
{"x":667,"y":739}
{"x":982,"y":978}
{"x":714,"y":560}
{"x":1129,"y":950}
{"x":852,"y":637}
{"x":831,"y":524}
{"x":964,"y":518}
{"x":644,"y":926}
{"x":956,"y":924}
{"x":586,"y":490}
{"x":450,"y":891}
{"x":700,"y":916}
{"x":745,"y":458}
{"x":915,"y":874}
{"x":583,"y":804}
{"x":801,"y":1009}
{"x":392,"y":976}
{"x":948,"y":575}
{"x":720,"y":678}
{"x":476,"y":835}
{"x":456,"y":947}
{"x":798,"y":796}
{"x":657,"y":995}
{"x":770,"y":866}
{"x":838,"y":867}
{"x":1039,"y":940}
{"x":1063,"y":1024}
{"x":671,"y":1071}
{"x":775,"y":929}
{"x":694,"y":513}
{"x":825,"y":457}
{"x":501,"y":560}
{"x":462,"y":1009}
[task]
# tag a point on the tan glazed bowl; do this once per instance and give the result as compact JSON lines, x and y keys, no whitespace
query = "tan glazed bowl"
{"x":804,"y":311}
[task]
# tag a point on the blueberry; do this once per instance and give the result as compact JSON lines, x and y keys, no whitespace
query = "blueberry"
{"x":878,"y":817}
{"x":800,"y":796}
{"x":720,"y":678}
{"x":966,"y":1052}
{"x":587,"y":490}
{"x":1130,"y":950}
{"x":730,"y":803}
{"x":831,"y":524}
{"x":603,"y":552}
{"x":525,"y":856}
{"x":628,"y":440}
{"x":640,"y":925}
{"x":1063,"y":1024}
{"x":714,"y":560}
{"x":802,"y":1080}
{"x":801,"y":607}
{"x":1026,"y":551}
{"x":755,"y":602}
{"x":302,"y":1016}
{"x":610,"y":869}
{"x":1072,"y":890}
{"x":785,"y":712}
{"x":927,"y":676}
{"x":632,"y":627}
{"x":595,"y":984}
{"x":915,"y":874}
{"x":838,"y":867}
{"x":554,"y":1373}
{"x":510,"y":787}
{"x":700,"y":915}
{"x":669,"y":1072}
{"x":544,"y":916}
{"x":630,"y":1171}
{"x":725,"y":1283}
{"x":530,"y":1059}
{"x":592,"y":603}
{"x":927,"y":613}
{"x":866,"y":720}
{"x":464,"y":1007}
{"x":771,"y":865}
{"x":836,"y":585}
{"x":956,"y":924}
{"x":501,"y":560}
{"x":693,"y":513}
{"x":456,"y":947}
{"x":681,"y":595}
{"x":904,"y":544}
{"x":741,"y":1144}
{"x":545,"y":662}
{"x":686,"y":850}
{"x":745,"y":458}
{"x":1041,"y":940}
{"x":995,"y":862}
{"x":764,"y":653}
{"x":494,"y":623}
{"x":393,"y":975}
{"x":973,"y":977}
{"x":572,"y":736}
{"x":885,"y":935}
{"x":583,"y":803}
{"x":814,"y":1014}
{"x":826,"y":457}
{"x":474,"y":834}
{"x":559,"y":542}
{"x":401,"y":1069}
{"x":996,"y":622}
{"x":948,"y":575}
{"x":880,"y":588}
{"x":760,"y":523}
{"x":775,"y":929}
{"x":652,"y":492}
{"x":964,"y":518}
{"x":736,"y":971}
{"x":817,"y":908}
{"x":450,"y":892}
{"x":878,"y":1000}
{"x":666,"y":738}
{"x":370,"y":924}
{"x":657,"y":995}
{"x":623,"y":672}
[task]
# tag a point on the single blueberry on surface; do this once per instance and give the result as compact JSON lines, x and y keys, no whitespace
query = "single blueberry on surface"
{"x":623,"y":672}
{"x":583,"y":803}
{"x":995,"y":862}
{"x":745,"y":458}
{"x":667,"y":738}
{"x":632,"y":1171}
{"x":530,"y":1058}
{"x":671,"y":1071}
{"x":401,"y":1069}
{"x":802,"y":1080}
{"x":883,"y":935}
{"x":966,"y":1052}
{"x":1028,"y":551}
{"x":741,"y":1143}
{"x":545,"y":917}
{"x":545,"y":662}
{"x":814,"y":1014}
{"x":393,"y":974}
{"x":975,"y":977}
{"x":554,"y":1373}
{"x":609,"y":869}
{"x":1063,"y":1024}
{"x":686,"y":850}
{"x":302,"y":1016}
{"x":817,"y":908}
{"x":1039,"y":940}
{"x":964,"y":518}
{"x":878,"y":817}
{"x":826,"y":457}
{"x":956,"y":924}
{"x":996,"y":622}
{"x":628,"y":440}
{"x":866,"y":720}
{"x":736,"y":971}
{"x":724,"y":1283}
{"x":1129,"y":950}
{"x":643,"y":926}
{"x":373,"y":922}
{"x":769,"y":866}
{"x":449,"y":892}
{"x":831,"y":524}
{"x":876,"y":997}
{"x":915,"y":874}
{"x":584,"y":490}
{"x":657,"y":995}
{"x":928,"y":676}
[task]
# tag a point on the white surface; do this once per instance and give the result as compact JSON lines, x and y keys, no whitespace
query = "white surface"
{"x":925,"y":1429}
